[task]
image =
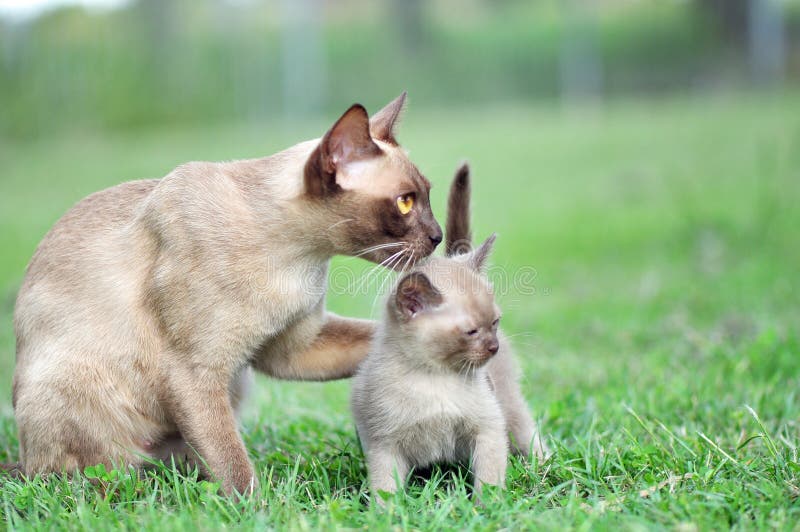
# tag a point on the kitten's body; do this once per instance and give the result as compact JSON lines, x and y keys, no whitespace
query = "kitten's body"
{"x":412,"y":405}
{"x":145,"y":307}
{"x":423,"y":396}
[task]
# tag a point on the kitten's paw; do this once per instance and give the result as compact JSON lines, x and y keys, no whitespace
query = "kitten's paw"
{"x":540,"y":449}
{"x":535,"y":447}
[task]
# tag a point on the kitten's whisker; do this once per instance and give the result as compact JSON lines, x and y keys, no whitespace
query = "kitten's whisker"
{"x":520,"y":334}
{"x":463,"y":367}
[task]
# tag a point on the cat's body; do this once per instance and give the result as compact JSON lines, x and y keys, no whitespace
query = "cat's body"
{"x":146,"y":306}
{"x":440,"y":383}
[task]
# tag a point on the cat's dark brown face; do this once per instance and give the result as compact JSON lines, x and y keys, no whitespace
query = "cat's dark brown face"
{"x":446,"y":310}
{"x":377,"y":200}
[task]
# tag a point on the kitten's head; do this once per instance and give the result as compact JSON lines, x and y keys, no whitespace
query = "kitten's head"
{"x":376,"y":200}
{"x":445,"y":312}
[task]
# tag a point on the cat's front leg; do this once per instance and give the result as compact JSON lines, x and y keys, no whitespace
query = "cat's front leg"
{"x":387,"y":469}
{"x":489,"y":459}
{"x":199,"y":401}
{"x":318,"y":348}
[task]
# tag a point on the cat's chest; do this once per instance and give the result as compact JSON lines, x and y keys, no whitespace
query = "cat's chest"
{"x":285,"y":293}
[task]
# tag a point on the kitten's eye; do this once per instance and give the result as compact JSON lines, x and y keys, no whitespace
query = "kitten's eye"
{"x":405,"y":203}
{"x":496,"y":322}
{"x":472,"y":332}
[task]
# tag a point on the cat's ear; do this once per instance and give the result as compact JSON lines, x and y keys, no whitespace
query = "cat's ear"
{"x":415,"y":294}
{"x":383,"y":122}
{"x":477,"y":258}
{"x":459,"y":236}
{"x":348,"y":140}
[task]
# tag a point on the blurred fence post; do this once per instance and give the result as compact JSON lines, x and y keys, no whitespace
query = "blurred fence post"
{"x":409,"y":19}
{"x":303,"y":69}
{"x":580,"y":64}
{"x":766,"y":41}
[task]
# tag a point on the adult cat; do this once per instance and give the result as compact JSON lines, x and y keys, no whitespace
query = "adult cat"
{"x":145,"y":306}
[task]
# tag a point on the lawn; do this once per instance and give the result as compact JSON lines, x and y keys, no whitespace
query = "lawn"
{"x":658,"y":324}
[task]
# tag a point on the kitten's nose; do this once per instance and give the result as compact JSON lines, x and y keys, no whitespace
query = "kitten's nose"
{"x":436,"y":238}
{"x":493,"y":347}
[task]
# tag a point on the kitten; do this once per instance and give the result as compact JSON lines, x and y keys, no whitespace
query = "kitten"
{"x":145,"y":307}
{"x":524,"y":435}
{"x":422,"y":395}
{"x":423,"y":383}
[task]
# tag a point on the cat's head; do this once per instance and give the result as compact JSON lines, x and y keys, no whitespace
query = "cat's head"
{"x":445,"y":312}
{"x":376,"y":200}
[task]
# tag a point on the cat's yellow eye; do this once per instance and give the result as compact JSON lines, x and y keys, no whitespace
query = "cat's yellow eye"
{"x":405,"y":203}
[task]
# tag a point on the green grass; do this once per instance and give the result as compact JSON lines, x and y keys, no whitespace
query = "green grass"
{"x":660,"y":344}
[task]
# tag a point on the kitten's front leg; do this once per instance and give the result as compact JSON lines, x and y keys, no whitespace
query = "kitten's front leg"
{"x":387,"y":470}
{"x":489,"y":459}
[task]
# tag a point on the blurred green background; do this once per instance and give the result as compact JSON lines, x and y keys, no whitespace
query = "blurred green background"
{"x":642,"y":156}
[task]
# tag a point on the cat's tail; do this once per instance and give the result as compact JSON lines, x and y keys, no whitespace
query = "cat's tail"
{"x":459,"y":235}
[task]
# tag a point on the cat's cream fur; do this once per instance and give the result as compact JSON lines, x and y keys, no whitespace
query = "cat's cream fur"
{"x":145,"y":307}
{"x":440,"y":383}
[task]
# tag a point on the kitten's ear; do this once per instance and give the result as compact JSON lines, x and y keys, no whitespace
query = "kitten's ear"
{"x":459,"y":236}
{"x":477,"y":258}
{"x":416,"y":293}
{"x":383,"y":122}
{"x":348,"y":140}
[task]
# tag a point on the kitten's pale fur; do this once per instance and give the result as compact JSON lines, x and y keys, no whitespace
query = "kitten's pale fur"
{"x":146,"y":306}
{"x":440,"y":383}
{"x":524,"y":435}
{"x":422,"y":395}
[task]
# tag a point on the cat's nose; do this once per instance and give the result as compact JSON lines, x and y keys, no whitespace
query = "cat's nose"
{"x":436,"y":238}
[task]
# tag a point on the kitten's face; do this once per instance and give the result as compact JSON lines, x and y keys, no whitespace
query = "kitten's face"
{"x":375,"y":198}
{"x":446,"y":311}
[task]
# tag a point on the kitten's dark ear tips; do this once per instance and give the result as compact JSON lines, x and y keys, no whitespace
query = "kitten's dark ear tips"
{"x":459,"y":236}
{"x":348,"y":140}
{"x":415,"y":294}
{"x":477,"y":259}
{"x":382,"y":123}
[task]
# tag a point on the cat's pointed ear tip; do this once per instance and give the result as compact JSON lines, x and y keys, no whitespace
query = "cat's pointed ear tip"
{"x":356,"y":108}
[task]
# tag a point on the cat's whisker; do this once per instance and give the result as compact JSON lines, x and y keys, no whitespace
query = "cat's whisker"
{"x":371,"y":275}
{"x":378,"y":247}
{"x":362,"y":282}
{"x":379,"y":295}
{"x":406,"y":265}
{"x":366,"y":279}
{"x":340,"y":222}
